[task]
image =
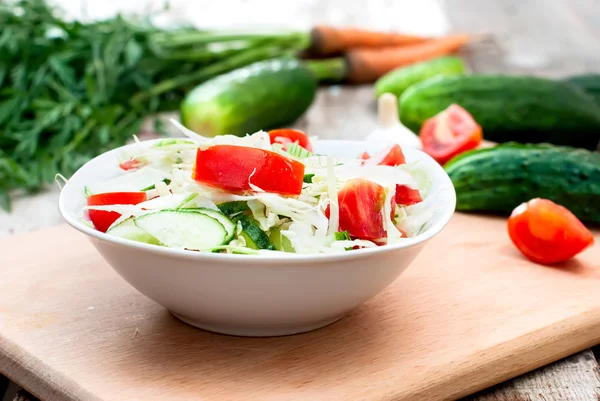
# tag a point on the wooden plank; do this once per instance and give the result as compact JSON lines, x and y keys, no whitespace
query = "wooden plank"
{"x":574,"y":378}
{"x":548,"y":38}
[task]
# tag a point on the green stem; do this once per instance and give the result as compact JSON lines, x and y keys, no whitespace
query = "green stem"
{"x":328,"y":70}
{"x":236,"y":61}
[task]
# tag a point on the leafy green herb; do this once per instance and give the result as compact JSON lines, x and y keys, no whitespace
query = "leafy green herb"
{"x":71,"y":90}
{"x":342,"y":236}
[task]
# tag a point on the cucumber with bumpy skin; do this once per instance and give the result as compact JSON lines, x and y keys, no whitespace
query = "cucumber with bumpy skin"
{"x":498,"y":179}
{"x":263,"y":95}
{"x":509,"y":108}
{"x":400,"y":79}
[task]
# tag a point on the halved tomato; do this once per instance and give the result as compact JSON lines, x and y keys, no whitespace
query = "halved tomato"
{"x":407,"y":196}
{"x":285,"y":136}
{"x":233,"y":168}
{"x":360,"y":202}
{"x":103,"y":219}
{"x":450,"y":133}
{"x":546,"y":232}
{"x":390,"y":156}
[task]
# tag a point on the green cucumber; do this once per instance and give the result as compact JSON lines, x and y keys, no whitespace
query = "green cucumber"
{"x":229,"y":225}
{"x":588,"y":83}
{"x":400,"y":79}
{"x":500,"y":178}
{"x":184,"y":228}
{"x":142,"y":179}
{"x":280,"y":241}
{"x":509,"y":108}
{"x":233,"y":208}
{"x":251,"y":230}
{"x":263,"y":95}
{"x":128,"y":230}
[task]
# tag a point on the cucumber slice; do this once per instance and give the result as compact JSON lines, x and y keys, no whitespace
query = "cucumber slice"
{"x":281,"y":242}
{"x":172,"y":201}
{"x":253,"y":232}
{"x":233,"y":207}
{"x":128,"y":230}
{"x":138,"y":180}
{"x":229,"y":225}
{"x":184,"y":228}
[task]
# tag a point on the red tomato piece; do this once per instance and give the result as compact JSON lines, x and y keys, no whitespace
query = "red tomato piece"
{"x":285,"y":136}
{"x":451,"y":132}
{"x":364,"y":156}
{"x":232,"y":168}
{"x":103,"y":219}
{"x":130,"y":165}
{"x":547,"y":233}
{"x":360,"y":202}
{"x":406,"y":196}
{"x":390,"y":156}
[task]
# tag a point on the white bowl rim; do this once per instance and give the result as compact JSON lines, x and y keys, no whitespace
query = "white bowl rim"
{"x":275,"y":257}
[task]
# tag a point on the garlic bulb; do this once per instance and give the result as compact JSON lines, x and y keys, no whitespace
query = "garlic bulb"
{"x":390,"y":130}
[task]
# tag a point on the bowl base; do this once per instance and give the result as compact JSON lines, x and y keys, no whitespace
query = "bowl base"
{"x":254,"y":332}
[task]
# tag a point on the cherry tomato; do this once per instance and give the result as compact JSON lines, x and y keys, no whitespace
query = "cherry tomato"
{"x":103,"y":219}
{"x":406,"y":196}
{"x":233,"y":168}
{"x":390,"y":156}
{"x":130,"y":165}
{"x":360,"y":202}
{"x":285,"y":136}
{"x":450,"y":133}
{"x":546,"y":232}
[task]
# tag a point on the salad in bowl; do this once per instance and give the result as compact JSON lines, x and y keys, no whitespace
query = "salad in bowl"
{"x":268,"y":192}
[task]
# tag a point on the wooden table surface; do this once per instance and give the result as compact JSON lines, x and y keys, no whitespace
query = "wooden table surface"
{"x":542,"y":37}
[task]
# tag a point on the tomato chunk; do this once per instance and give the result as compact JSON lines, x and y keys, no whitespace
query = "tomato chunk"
{"x":547,"y":233}
{"x":451,"y":132}
{"x":131,"y":164}
{"x":364,"y":156}
{"x":233,"y":168}
{"x":360,"y":203}
{"x":406,"y":196}
{"x":103,"y":219}
{"x":390,"y":156}
{"x":285,"y":136}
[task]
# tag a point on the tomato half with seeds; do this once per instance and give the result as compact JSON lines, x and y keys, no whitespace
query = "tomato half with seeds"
{"x":102,"y":219}
{"x":286,"y":136}
{"x":547,"y":233}
{"x":389,"y":156}
{"x":451,"y":132}
{"x":233,"y":168}
{"x":406,"y":196}
{"x":360,"y":202}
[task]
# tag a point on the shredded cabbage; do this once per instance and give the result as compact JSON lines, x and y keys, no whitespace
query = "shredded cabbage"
{"x":166,"y":169}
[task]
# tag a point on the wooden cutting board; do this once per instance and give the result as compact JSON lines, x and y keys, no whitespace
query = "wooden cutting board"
{"x":470,"y":312}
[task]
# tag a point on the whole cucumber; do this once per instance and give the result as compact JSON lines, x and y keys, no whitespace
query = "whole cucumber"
{"x":263,"y":95}
{"x":400,"y":79}
{"x":588,"y":83}
{"x":509,"y":108}
{"x":500,"y":178}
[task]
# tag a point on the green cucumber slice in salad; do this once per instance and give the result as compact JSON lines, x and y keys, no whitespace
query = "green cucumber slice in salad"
{"x":182,"y":211}
{"x":191,"y":229}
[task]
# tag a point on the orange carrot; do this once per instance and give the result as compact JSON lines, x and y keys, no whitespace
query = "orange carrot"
{"x":367,"y":65}
{"x":329,"y":40}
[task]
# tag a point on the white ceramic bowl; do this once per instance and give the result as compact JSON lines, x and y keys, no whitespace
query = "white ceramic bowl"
{"x":256,"y":295}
